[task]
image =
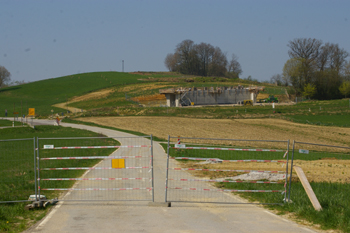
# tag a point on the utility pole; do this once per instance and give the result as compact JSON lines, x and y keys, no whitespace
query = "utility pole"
{"x":123,"y":66}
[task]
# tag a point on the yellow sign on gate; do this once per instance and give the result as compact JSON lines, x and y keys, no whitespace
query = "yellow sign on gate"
{"x":118,"y":163}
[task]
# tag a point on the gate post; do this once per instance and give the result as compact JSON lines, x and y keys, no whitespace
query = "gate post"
{"x":167,"y":170}
{"x":285,"y":188}
{"x":152,"y":168}
{"x":38,"y":166}
{"x":35,"y":171}
{"x":291,"y":172}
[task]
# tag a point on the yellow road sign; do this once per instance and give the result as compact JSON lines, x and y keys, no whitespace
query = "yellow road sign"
{"x":31,"y":112}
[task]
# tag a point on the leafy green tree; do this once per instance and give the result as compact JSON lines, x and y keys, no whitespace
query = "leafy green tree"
{"x":202,"y":59}
{"x":309,"y":90}
{"x":345,"y":88}
{"x":293,"y":73}
{"x":327,"y":83}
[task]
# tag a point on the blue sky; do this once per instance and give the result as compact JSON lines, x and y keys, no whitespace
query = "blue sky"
{"x":47,"y":39}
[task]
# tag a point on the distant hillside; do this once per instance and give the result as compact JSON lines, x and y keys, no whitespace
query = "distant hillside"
{"x":41,"y":95}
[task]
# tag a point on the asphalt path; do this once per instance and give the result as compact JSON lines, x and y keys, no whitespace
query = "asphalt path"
{"x":123,"y":216}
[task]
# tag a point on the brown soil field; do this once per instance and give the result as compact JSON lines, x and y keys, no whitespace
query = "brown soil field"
{"x":142,"y":87}
{"x":150,"y":98}
{"x":251,"y":129}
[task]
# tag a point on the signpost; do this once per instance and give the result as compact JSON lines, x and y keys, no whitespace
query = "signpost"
{"x":31,"y":113}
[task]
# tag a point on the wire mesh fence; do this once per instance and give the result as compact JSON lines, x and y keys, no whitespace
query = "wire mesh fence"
{"x":213,"y":170}
{"x":17,"y":170}
{"x":325,"y":165}
{"x":103,"y":168}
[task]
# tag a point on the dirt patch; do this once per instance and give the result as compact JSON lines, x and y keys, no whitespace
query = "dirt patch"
{"x":93,"y":95}
{"x":315,"y":171}
{"x":149,"y":98}
{"x":142,"y":87}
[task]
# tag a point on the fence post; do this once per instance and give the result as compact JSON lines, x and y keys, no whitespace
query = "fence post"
{"x":285,"y":193}
{"x":152,"y":168}
{"x":38,"y":166}
{"x":291,"y":172}
{"x":167,"y":170}
{"x":35,"y":171}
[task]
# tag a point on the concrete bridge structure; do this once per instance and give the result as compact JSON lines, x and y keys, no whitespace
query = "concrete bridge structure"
{"x":181,"y":96}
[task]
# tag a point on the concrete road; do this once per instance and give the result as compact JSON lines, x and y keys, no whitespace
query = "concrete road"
{"x":140,"y":217}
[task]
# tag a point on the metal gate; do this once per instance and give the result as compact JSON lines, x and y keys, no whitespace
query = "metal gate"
{"x":209,"y":170}
{"x":96,"y":168}
{"x":17,"y":170}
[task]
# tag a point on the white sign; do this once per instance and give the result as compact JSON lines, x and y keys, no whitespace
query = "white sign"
{"x":48,"y":147}
{"x":180,"y":146}
{"x":301,"y":151}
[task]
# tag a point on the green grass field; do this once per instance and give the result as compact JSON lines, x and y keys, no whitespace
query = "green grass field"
{"x":340,"y":120}
{"x":5,"y":123}
{"x":41,"y":95}
{"x":17,"y":168}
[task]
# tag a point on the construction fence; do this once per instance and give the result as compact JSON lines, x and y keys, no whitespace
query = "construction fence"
{"x":207,"y":170}
{"x":79,"y":169}
{"x":202,"y":170}
{"x":17,"y":169}
{"x":325,"y":167}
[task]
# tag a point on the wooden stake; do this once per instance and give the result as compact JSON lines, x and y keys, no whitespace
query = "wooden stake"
{"x":308,"y":188}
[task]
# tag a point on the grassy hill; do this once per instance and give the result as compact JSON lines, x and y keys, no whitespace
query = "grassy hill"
{"x":127,"y":88}
{"x":42,"y":94}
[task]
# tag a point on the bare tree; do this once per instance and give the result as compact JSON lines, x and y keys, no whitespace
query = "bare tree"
{"x":4,"y":76}
{"x":205,"y":55}
{"x":308,"y":50}
{"x":234,"y":68}
{"x":277,"y":80}
{"x":219,"y":62}
{"x":337,"y":58}
{"x":187,"y":57}
{"x":347,"y":71}
{"x":332,"y":57}
{"x":170,"y":62}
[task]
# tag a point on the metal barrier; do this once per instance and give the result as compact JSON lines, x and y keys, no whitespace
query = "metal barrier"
{"x":96,"y":169}
{"x":325,"y":166}
{"x":209,"y":170}
{"x":17,"y":170}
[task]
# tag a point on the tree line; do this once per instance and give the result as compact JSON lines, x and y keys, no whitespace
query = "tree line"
{"x":316,"y":70}
{"x":202,"y":59}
